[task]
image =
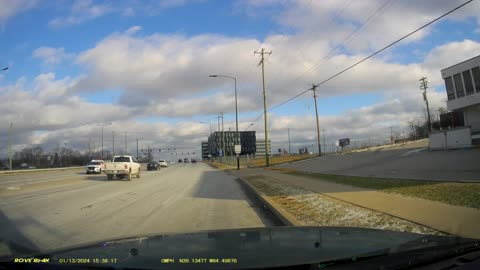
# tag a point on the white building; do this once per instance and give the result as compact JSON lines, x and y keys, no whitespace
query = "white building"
{"x":462,"y":82}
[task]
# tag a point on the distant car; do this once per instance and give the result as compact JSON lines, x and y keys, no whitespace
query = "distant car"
{"x":23,"y":166}
{"x":95,"y":166}
{"x":185,"y":160}
{"x":163,"y":163}
{"x":153,"y":166}
{"x":172,"y":162}
{"x":180,"y":161}
{"x":194,"y":160}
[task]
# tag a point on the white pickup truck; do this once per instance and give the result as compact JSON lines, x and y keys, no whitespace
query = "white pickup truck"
{"x":122,"y":166}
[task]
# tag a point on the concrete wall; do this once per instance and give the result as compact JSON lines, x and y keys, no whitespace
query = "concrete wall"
{"x":471,"y":115}
{"x":454,"y":138}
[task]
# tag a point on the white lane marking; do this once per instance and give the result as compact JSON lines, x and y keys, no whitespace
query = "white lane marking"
{"x":167,"y":200}
{"x":416,"y":151}
{"x":12,"y":188}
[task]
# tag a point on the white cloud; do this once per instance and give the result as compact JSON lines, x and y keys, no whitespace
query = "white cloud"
{"x":51,"y":55}
{"x":313,"y":21}
{"x":168,"y":74}
{"x":9,"y":8}
{"x":81,"y":11}
{"x":132,"y":30}
{"x":452,"y":53}
{"x":85,"y":10}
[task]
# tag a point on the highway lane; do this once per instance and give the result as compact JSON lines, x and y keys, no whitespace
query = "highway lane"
{"x":181,"y":198}
{"x":20,"y":179}
{"x":402,"y":162}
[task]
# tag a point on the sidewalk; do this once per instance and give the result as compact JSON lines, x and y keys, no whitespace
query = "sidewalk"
{"x":461,"y":221}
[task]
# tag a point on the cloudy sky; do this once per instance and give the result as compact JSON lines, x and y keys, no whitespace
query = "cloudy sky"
{"x":143,"y":66}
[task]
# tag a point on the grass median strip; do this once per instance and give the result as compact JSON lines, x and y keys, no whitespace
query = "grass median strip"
{"x":460,"y":194}
{"x":314,"y":209}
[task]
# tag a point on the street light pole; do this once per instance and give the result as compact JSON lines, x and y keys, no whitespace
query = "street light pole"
{"x":289,"y":150}
{"x":10,"y":146}
{"x":236,"y":114}
{"x":103,"y":125}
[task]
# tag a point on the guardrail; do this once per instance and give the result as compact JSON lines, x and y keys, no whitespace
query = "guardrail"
{"x":39,"y":170}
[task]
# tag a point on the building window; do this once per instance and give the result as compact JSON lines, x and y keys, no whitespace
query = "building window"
{"x":476,"y":78}
{"x":457,"y":78}
{"x":467,"y":80}
{"x":449,"y":86}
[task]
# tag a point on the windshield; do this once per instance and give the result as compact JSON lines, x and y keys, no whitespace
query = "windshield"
{"x":121,"y":159}
{"x":95,"y":163}
{"x":219,"y":115}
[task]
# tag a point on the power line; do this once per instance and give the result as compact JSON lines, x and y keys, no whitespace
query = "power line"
{"x":347,"y":39}
{"x":371,"y":55}
{"x":299,"y":51}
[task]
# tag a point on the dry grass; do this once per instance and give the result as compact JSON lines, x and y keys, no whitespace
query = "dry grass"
{"x":260,"y":162}
{"x":313,"y":209}
{"x":454,"y":193}
{"x":221,"y":166}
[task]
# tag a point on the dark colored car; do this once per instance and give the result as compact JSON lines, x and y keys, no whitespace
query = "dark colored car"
{"x":153,"y":166}
{"x":194,"y":160}
{"x":180,"y":161}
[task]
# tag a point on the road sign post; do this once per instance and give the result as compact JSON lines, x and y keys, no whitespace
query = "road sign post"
{"x":238,"y":150}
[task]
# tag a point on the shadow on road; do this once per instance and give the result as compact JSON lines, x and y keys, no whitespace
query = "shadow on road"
{"x":14,"y":239}
{"x":222,"y":186}
{"x":218,"y":185}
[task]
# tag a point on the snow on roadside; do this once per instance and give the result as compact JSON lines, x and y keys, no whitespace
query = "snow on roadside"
{"x":314,"y":209}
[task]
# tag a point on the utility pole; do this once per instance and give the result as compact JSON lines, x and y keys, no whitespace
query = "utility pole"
{"x":262,"y":62}
{"x":137,"y":148}
{"x":113,"y":144}
{"x":10,"y":146}
{"x":126,"y":149}
{"x":314,"y":89}
{"x":289,"y":149}
{"x":412,"y":128}
{"x":391,"y":135}
{"x":324,"y":146}
{"x":223,"y":138}
{"x":424,"y":86}
{"x":89,"y":148}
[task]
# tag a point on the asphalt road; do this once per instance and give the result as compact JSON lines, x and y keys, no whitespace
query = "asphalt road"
{"x":81,"y":208}
{"x":411,"y":161}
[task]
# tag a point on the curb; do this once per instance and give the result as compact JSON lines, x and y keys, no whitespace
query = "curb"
{"x":286,"y":218}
